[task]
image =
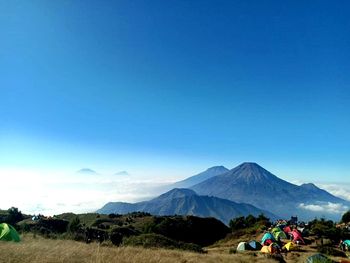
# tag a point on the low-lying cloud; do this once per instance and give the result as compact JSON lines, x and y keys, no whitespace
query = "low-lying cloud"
{"x":334,"y":208}
{"x":339,"y":190}
{"x":51,"y":195}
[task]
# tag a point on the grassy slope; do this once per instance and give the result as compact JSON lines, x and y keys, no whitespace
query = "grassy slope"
{"x":42,"y":250}
{"x":47,"y":250}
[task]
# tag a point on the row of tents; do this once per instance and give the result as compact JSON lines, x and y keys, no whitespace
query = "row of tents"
{"x":277,"y":234}
{"x":272,"y":248}
{"x":8,"y":233}
{"x":271,"y":241}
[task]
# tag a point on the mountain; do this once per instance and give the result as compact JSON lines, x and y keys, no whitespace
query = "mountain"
{"x":122,"y":173}
{"x":198,"y":178}
{"x":187,"y":202}
{"x":251,"y":183}
{"x":87,"y":171}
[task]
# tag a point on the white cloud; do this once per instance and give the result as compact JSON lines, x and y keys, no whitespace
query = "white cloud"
{"x":51,"y":194}
{"x":339,"y":190}
{"x":328,"y":207}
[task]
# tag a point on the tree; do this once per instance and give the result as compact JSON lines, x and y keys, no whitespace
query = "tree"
{"x":237,"y":223}
{"x":74,"y":224}
{"x":14,"y":215}
{"x":346,"y":217}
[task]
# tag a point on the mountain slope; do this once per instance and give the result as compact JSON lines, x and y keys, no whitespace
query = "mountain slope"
{"x":198,"y":178}
{"x":250,"y":183}
{"x":187,"y":202}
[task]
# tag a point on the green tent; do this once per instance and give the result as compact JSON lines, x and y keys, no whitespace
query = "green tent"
{"x":8,"y":233}
{"x":319,"y":258}
{"x":278,"y":233}
{"x":347,"y":243}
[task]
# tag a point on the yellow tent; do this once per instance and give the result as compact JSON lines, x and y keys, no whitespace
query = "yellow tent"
{"x":290,"y":246}
{"x":265,"y":249}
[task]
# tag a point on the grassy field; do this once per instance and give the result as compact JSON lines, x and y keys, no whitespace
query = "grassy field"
{"x":51,"y":251}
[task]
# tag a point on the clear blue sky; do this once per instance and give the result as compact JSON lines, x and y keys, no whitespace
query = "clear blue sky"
{"x":176,"y":84}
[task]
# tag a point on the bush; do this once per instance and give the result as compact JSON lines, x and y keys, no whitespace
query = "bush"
{"x":189,"y":229}
{"x":74,"y":224}
{"x":14,"y":216}
{"x":119,"y":233}
{"x":325,"y":228}
{"x":249,"y":224}
{"x":330,"y":251}
{"x":159,"y":241}
{"x":52,"y":225}
{"x":346,"y":217}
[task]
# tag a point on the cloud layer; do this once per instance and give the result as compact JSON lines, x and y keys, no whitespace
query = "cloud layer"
{"x":339,"y":190}
{"x":331,"y":208}
{"x":55,"y":194}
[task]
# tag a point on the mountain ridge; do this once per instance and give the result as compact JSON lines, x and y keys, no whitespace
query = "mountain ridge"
{"x":251,"y":183}
{"x":187,"y":202}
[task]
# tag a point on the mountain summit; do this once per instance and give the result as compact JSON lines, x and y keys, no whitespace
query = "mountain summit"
{"x":250,"y":173}
{"x":250,"y":183}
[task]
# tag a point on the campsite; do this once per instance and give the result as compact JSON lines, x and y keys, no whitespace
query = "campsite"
{"x":174,"y":131}
{"x":99,"y":238}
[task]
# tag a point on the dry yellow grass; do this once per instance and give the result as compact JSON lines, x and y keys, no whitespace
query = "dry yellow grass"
{"x":40,"y":250}
{"x":51,"y":251}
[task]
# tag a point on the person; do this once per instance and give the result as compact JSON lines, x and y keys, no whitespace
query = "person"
{"x":342,"y":245}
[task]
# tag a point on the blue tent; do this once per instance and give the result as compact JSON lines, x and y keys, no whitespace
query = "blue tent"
{"x":267,"y":236}
{"x":255,"y":245}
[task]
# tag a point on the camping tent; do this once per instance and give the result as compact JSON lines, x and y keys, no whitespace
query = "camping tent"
{"x":243,"y":246}
{"x":297,"y":236}
{"x":255,"y":245}
{"x":267,"y":236}
{"x":271,"y":249}
{"x":278,"y":233}
{"x":290,"y":246}
{"x":318,"y":258}
{"x":265,"y":249}
{"x":8,"y":233}
{"x":287,"y":230}
{"x":347,"y":243}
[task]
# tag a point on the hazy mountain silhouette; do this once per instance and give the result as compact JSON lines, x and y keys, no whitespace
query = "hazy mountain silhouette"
{"x":250,"y":183}
{"x":122,"y":173}
{"x":187,"y":202}
{"x":198,"y":178}
{"x":87,"y":171}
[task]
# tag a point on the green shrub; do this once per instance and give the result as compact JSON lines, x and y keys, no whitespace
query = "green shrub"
{"x":346,"y":217}
{"x":330,"y":251}
{"x":74,"y":224}
{"x":189,"y":229}
{"x":159,"y":241}
{"x":119,"y":233}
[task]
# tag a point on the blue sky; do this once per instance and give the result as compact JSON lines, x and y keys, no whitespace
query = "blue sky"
{"x":173,"y":87}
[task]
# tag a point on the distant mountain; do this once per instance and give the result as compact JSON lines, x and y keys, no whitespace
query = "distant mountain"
{"x":250,"y":183}
{"x":122,"y":173}
{"x":187,"y":202}
{"x":86,"y":171}
{"x":198,"y":178}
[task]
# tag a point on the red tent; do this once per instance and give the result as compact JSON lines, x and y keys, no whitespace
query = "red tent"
{"x":297,"y":236}
{"x":287,"y":230}
{"x":267,"y":242}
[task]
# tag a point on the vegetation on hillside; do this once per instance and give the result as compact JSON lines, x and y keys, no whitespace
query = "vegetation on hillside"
{"x":137,"y":229}
{"x":249,"y":225}
{"x":188,"y":233}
